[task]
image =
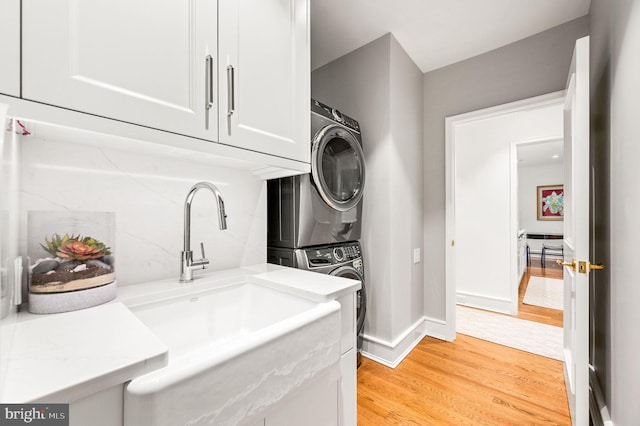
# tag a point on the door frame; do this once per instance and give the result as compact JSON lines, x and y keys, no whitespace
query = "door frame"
{"x":514,"y":175}
{"x":451,"y":123}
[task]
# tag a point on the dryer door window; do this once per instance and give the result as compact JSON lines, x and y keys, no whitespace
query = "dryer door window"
{"x":337,"y":166}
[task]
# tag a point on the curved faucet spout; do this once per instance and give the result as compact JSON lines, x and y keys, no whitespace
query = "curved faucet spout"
{"x":222,"y":216}
{"x":187,"y":263}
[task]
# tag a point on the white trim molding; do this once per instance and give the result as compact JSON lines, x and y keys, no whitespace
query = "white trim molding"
{"x":489,"y":303}
{"x":438,"y":329}
{"x":391,"y":354}
{"x":597,"y":405}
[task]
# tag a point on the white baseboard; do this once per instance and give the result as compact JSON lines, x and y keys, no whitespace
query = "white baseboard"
{"x":597,"y":405}
{"x":488,"y":303}
{"x":391,"y":354}
{"x":438,"y":329}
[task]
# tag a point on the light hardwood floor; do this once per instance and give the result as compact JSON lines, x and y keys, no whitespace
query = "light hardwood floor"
{"x":538,"y":313}
{"x":467,"y":382}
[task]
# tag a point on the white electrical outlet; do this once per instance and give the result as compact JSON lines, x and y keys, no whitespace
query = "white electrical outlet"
{"x":416,"y":255}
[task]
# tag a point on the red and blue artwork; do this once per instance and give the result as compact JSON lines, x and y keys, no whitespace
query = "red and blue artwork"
{"x":550,"y":202}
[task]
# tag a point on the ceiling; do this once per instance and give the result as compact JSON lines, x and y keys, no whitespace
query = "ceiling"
{"x":435,"y":33}
{"x":542,"y":153}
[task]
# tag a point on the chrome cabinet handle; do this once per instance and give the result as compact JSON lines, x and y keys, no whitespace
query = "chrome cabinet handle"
{"x":231,"y":105}
{"x":208,"y":83}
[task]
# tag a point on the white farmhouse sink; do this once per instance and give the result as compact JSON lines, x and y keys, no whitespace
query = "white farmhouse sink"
{"x":235,"y":350}
{"x":205,"y":319}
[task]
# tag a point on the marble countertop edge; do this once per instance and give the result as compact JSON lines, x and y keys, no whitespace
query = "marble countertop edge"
{"x":61,"y":358}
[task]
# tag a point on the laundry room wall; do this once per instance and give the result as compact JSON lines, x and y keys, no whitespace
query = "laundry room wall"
{"x":380,"y":86}
{"x":615,"y":83}
{"x":406,"y":188}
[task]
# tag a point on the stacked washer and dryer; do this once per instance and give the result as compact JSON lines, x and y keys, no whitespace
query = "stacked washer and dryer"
{"x":315,"y":220}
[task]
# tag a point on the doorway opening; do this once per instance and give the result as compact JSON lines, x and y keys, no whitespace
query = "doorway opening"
{"x":485,"y":259}
{"x":540,"y":171}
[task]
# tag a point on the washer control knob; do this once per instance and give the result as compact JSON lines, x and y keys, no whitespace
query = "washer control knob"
{"x":337,"y":115}
{"x":338,"y":253}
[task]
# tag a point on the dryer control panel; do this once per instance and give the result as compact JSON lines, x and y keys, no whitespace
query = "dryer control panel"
{"x":335,"y":115}
{"x":333,"y":254}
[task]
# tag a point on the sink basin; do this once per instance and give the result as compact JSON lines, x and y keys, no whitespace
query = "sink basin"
{"x":202,"y":320}
{"x":235,"y":350}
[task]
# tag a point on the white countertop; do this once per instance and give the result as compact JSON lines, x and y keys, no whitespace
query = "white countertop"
{"x":310,"y":285}
{"x":65,"y":357}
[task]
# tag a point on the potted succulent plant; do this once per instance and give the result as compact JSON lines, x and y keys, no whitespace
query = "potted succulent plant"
{"x":77,"y":263}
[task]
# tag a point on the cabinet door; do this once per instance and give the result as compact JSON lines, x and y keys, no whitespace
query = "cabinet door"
{"x":137,"y":61}
{"x":10,"y":47}
{"x":264,"y":76}
{"x":312,"y":405}
{"x":348,"y":387}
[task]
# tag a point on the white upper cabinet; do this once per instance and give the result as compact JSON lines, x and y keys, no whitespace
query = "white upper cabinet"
{"x":161,"y":65}
{"x":147,"y":63}
{"x":10,"y":47}
{"x":264,"y":76}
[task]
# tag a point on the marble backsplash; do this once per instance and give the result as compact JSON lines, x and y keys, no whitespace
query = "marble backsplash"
{"x":146,"y":189}
{"x":8,"y":240}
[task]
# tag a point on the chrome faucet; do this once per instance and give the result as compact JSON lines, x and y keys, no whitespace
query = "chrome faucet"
{"x":187,"y":263}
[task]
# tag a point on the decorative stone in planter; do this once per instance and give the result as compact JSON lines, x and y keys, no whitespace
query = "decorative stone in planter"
{"x":74,"y":270}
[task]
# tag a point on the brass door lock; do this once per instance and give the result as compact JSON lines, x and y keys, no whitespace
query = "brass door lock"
{"x":571,"y":264}
{"x":583,"y":267}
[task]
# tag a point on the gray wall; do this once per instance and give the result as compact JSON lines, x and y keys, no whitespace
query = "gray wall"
{"x":380,"y":86}
{"x":615,"y":84}
{"x":534,"y":66}
{"x":406,"y":191}
{"x":357,"y":84}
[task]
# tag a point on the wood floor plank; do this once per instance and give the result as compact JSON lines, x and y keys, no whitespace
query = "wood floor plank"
{"x":498,"y":379}
{"x":538,"y":313}
{"x":466,"y":382}
{"x":469,"y":381}
{"x":495,"y":375}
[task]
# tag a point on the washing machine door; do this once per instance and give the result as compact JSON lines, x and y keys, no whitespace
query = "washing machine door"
{"x":337,"y":167}
{"x":361,"y":299}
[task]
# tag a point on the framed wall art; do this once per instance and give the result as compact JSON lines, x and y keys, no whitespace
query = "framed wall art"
{"x":550,"y":202}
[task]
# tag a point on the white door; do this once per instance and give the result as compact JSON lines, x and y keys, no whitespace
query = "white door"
{"x":264,"y":75}
{"x":576,"y":235}
{"x":10,"y":47}
{"x":148,"y":63}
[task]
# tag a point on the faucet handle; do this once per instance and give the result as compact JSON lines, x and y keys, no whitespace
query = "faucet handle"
{"x":200,"y":263}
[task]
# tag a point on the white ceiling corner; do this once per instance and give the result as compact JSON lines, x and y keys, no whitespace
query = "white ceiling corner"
{"x":435,"y":33}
